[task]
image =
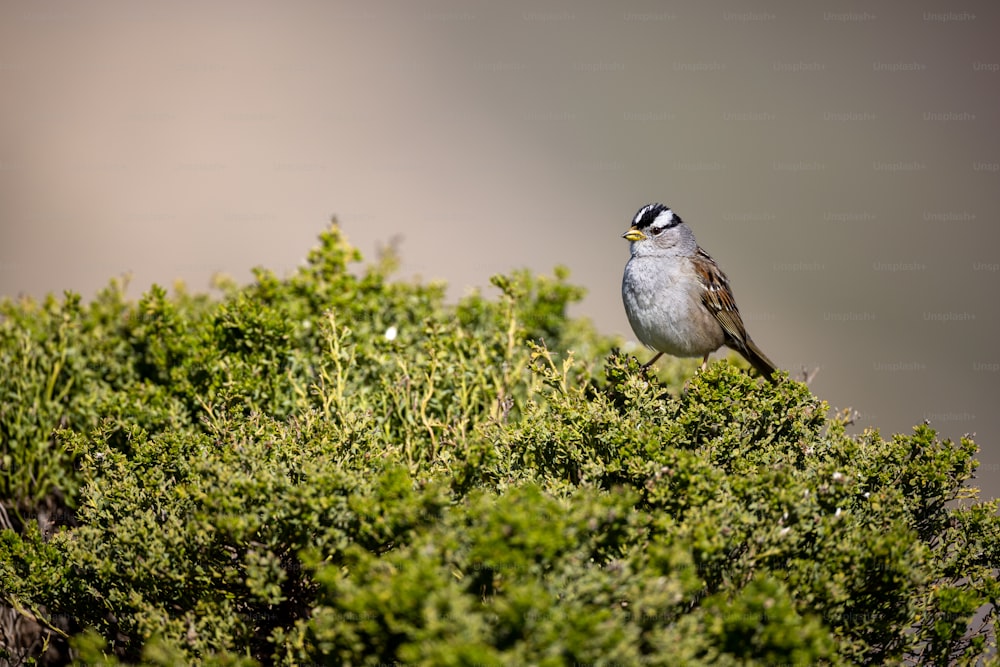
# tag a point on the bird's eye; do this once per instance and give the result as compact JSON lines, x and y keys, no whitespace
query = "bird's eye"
{"x":655,"y":231}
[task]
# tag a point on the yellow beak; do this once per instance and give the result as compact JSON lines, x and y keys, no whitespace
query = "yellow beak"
{"x":633,"y":234}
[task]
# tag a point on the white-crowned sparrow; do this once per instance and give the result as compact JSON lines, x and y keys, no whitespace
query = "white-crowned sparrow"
{"x":676,"y":297}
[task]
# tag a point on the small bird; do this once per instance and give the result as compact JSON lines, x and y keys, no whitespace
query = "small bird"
{"x":677,"y":299}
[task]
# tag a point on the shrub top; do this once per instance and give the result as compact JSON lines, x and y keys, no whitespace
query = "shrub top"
{"x":340,"y":468}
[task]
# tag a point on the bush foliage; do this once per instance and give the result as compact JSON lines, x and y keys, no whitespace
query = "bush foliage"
{"x":340,"y":468}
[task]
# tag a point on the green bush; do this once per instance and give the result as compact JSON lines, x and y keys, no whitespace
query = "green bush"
{"x":339,"y":468}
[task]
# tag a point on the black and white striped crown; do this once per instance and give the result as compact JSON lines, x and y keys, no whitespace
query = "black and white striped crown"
{"x":655,"y":215}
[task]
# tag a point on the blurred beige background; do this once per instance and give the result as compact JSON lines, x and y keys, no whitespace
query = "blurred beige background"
{"x":841,"y":160}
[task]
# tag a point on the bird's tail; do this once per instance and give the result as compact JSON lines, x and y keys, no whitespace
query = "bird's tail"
{"x":759,"y":361}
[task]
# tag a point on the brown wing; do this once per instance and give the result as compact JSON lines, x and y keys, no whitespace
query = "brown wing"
{"x":718,"y":298}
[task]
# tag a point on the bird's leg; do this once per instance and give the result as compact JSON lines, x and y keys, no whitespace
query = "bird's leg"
{"x":704,"y":363}
{"x":652,"y":361}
